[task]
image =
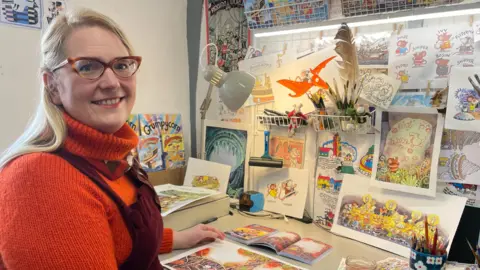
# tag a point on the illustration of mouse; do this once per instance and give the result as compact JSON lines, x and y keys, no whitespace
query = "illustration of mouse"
{"x":402,"y":47}
{"x":272,"y":190}
{"x":403,"y":76}
{"x":443,"y":42}
{"x":467,"y":45}
{"x":443,"y":69}
{"x":418,"y":59}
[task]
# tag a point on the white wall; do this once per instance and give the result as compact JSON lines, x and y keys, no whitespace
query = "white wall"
{"x":158,"y":32}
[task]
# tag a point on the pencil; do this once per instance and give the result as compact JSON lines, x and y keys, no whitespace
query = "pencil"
{"x":473,"y":251}
{"x":435,"y":238}
{"x":426,"y":231}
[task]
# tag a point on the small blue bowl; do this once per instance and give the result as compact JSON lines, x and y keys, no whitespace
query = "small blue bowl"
{"x":425,"y":261}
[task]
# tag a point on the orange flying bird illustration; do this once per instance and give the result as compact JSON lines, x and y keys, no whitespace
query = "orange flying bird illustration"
{"x":300,"y":88}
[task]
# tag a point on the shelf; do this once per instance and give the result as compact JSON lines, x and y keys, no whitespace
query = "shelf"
{"x":280,"y":121}
{"x":335,"y":123}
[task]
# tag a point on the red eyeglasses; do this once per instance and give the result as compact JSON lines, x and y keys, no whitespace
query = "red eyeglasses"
{"x":93,"y":68}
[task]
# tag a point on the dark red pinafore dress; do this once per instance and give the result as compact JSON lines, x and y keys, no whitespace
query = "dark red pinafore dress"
{"x":143,"y":218}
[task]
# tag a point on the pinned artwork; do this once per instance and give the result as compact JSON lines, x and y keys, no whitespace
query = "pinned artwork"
{"x":463,"y":107}
{"x":225,"y":255}
{"x":412,"y":99}
{"x":423,"y":55}
{"x":378,"y":89}
{"x":389,"y":220}
{"x":207,"y":174}
{"x":228,"y":144}
{"x":471,"y":192}
{"x":22,"y":13}
{"x":291,"y":151}
{"x":459,"y":160}
{"x":225,"y":114}
{"x":409,"y":146}
{"x":372,"y":49}
{"x":52,"y":9}
{"x":285,"y":191}
{"x":260,"y":67}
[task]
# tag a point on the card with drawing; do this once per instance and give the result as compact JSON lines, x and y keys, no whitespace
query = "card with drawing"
{"x":372,"y":49}
{"x":207,"y":174}
{"x":463,"y":107}
{"x":285,"y":191}
{"x":291,"y":151}
{"x":388,"y":220}
{"x":408,"y":147}
{"x":378,"y":89}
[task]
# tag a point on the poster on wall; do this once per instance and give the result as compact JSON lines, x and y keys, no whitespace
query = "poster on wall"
{"x":290,"y":151}
{"x":421,"y":55}
{"x":225,"y":114}
{"x":285,"y":191}
{"x":22,"y":13}
{"x":463,"y":107}
{"x":228,"y":143}
{"x":408,"y":148}
{"x":52,"y":9}
{"x":389,"y":220}
{"x":227,"y":28}
{"x":459,"y":160}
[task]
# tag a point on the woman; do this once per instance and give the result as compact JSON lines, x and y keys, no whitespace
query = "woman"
{"x":70,"y":195}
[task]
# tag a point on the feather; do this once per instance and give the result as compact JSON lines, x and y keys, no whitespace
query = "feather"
{"x":345,"y":47}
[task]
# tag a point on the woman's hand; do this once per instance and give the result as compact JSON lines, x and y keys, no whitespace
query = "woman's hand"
{"x":195,"y":235}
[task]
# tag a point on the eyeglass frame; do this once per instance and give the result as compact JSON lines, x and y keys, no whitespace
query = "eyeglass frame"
{"x":72,"y":60}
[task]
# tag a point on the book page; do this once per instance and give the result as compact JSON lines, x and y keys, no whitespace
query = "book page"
{"x":306,"y":250}
{"x":248,"y":233}
{"x":278,"y":241}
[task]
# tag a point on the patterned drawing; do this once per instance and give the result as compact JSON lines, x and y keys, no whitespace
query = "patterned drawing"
{"x":373,"y":49}
{"x":174,"y":197}
{"x":379,"y":89}
{"x":291,"y":151}
{"x":387,"y":220}
{"x":22,"y":13}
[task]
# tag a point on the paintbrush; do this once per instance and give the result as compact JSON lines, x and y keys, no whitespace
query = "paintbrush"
{"x":435,"y":238}
{"x":426,"y":231}
{"x":473,"y":251}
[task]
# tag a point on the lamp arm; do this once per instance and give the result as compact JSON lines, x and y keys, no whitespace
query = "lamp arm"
{"x":203,"y":112}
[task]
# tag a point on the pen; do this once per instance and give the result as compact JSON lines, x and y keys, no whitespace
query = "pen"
{"x":210,"y":220}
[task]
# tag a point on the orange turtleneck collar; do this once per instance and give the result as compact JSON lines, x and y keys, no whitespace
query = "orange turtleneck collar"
{"x":88,"y":142}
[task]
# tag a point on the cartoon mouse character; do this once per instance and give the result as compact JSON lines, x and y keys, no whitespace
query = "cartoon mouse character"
{"x":443,"y":69}
{"x":272,"y":190}
{"x":402,"y":48}
{"x":443,"y":42}
{"x":467,"y":45}
{"x":418,"y":59}
{"x":403,"y":76}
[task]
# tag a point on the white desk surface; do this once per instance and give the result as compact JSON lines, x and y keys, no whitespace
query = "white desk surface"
{"x":342,"y":247}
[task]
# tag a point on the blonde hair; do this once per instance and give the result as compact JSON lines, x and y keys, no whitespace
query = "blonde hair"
{"x":47,"y":130}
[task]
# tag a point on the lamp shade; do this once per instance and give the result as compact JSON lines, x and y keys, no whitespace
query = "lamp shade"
{"x":236,"y":89}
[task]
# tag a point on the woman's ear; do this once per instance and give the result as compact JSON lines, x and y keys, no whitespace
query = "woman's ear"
{"x":51,"y":87}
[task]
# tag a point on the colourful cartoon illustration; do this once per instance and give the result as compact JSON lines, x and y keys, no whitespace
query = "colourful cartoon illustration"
{"x":282,"y":190}
{"x":459,"y":167}
{"x":204,"y":181}
{"x":150,"y":153}
{"x":329,"y":184}
{"x":366,"y":163}
{"x":467,"y":45}
{"x":419,"y":59}
{"x":406,"y":149}
{"x":301,"y":87}
{"x":307,"y":249}
{"x":372,"y":51}
{"x":291,"y":151}
{"x":173,"y":142}
{"x":247,"y":233}
{"x":23,"y":13}
{"x":280,"y":240}
{"x":387,"y":220}
{"x":403,"y":76}
{"x":402,"y":48}
{"x":468,"y":105}
{"x":171,"y":198}
{"x":346,"y":153}
{"x":443,"y":41}
{"x":443,"y":67}
{"x":326,"y":220}
{"x":262,"y":91}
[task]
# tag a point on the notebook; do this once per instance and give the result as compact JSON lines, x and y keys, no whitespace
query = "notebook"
{"x":286,"y":244}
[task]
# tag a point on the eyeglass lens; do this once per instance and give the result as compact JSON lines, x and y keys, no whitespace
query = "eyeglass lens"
{"x":92,"y":69}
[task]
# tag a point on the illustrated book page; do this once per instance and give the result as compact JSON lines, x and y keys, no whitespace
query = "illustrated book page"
{"x":278,"y":241}
{"x":207,"y":174}
{"x":285,"y":191}
{"x":306,"y":250}
{"x":174,"y":197}
{"x":225,"y":255}
{"x":388,"y":220}
{"x":249,"y":234}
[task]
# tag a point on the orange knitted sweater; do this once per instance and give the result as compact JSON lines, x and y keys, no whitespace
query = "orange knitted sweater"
{"x":54,"y":217}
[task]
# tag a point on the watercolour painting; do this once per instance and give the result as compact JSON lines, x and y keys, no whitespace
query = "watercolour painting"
{"x":407,"y":152}
{"x":207,"y":174}
{"x":228,"y":143}
{"x":291,"y":151}
{"x":22,"y":13}
{"x":150,"y":153}
{"x":463,"y":107}
{"x":285,"y":191}
{"x":225,"y":255}
{"x":389,"y":220}
{"x":174,"y":197}
{"x":172,"y":138}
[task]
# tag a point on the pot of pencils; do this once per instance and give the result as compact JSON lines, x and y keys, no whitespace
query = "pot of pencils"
{"x":426,"y":255}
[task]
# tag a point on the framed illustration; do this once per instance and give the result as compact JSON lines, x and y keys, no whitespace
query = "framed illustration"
{"x":407,"y":152}
{"x":389,"y":220}
{"x":228,"y":143}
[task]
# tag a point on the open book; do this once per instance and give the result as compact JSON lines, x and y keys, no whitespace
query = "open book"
{"x":286,"y":244}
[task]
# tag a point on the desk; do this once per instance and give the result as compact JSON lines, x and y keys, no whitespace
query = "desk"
{"x":342,"y":247}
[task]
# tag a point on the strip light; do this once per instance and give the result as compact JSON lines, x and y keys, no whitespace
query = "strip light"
{"x":373,"y":22}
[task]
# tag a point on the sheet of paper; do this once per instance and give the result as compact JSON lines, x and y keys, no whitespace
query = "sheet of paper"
{"x":285,"y":191}
{"x":408,"y":147}
{"x":428,"y":54}
{"x":225,"y":255}
{"x":291,"y":151}
{"x":471,"y":192}
{"x":207,"y":174}
{"x":463,"y":107}
{"x":379,"y":89}
{"x":412,"y":99}
{"x":476,"y":30}
{"x":372,"y":49}
{"x":22,"y":13}
{"x":174,"y":197}
{"x":307,"y":250}
{"x":229,"y":144}
{"x":388,"y":220}
{"x":459,"y":160}
{"x":52,"y":9}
